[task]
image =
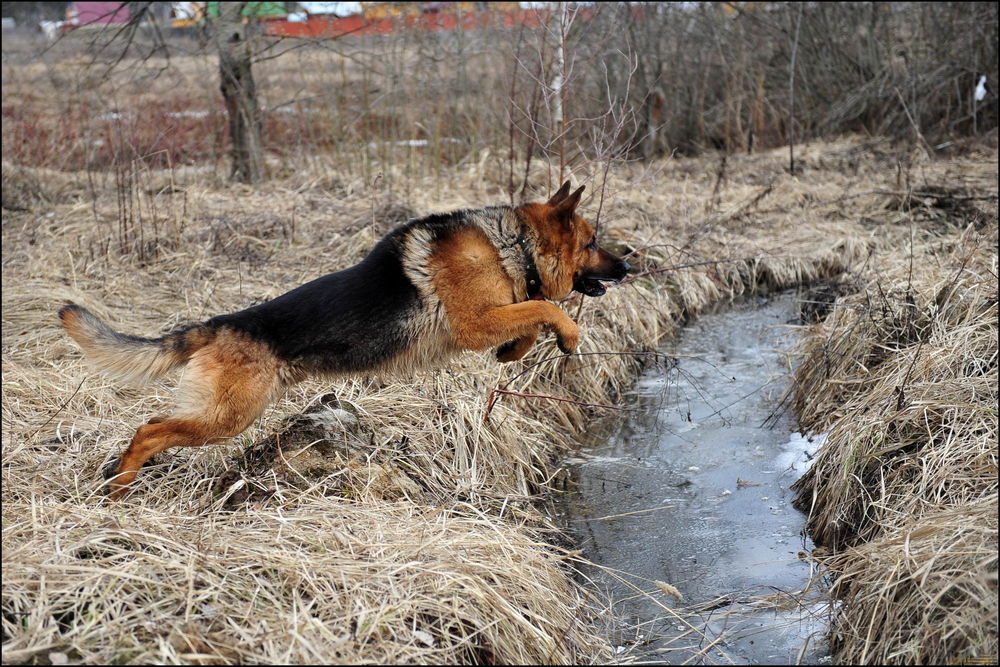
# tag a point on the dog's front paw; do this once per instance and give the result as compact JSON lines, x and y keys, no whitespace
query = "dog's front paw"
{"x":110,"y":471}
{"x":568,"y":339}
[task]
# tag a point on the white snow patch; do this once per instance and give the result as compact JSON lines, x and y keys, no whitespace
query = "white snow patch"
{"x":799,"y":452}
{"x":189,"y":113}
{"x":981,"y":89}
{"x":116,"y":115}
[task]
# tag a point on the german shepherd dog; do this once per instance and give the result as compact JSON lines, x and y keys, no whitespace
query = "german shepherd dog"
{"x":466,"y":280}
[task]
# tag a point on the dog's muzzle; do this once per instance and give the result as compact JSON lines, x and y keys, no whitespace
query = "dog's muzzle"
{"x":592,"y":284}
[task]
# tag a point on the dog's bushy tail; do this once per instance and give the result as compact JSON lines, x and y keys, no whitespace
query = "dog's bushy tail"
{"x":130,"y":358}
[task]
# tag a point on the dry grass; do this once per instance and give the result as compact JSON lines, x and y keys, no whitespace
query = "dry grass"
{"x":411,"y":530}
{"x":903,"y":378}
{"x":316,"y":579}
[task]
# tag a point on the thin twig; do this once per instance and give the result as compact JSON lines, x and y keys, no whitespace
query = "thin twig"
{"x":58,"y":410}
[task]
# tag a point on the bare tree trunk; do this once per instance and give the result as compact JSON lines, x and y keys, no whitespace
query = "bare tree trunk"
{"x":558,"y":120}
{"x":240,"y":94}
{"x":791,"y":95}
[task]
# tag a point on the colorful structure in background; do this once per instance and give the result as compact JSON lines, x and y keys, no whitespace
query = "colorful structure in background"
{"x":294,"y":19}
{"x":386,"y":17}
{"x":79,"y":14}
{"x":266,"y":10}
{"x":183,"y":14}
{"x":388,"y":10}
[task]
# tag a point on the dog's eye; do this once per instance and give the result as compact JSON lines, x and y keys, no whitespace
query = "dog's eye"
{"x":593,"y":244}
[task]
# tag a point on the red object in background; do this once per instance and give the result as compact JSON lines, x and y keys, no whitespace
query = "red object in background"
{"x":97,"y":13}
{"x":325,"y":25}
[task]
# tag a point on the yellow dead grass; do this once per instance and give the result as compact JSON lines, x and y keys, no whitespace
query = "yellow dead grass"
{"x":433,"y":544}
{"x":903,"y":377}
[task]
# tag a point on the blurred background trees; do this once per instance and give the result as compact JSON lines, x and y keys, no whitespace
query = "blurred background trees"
{"x":378,"y":86}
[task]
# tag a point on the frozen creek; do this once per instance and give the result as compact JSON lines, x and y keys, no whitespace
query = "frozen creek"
{"x":690,"y":488}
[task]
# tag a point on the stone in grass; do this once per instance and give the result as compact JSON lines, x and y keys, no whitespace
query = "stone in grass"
{"x":326,"y":446}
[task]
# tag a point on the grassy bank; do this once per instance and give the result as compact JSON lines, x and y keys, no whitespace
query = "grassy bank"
{"x":903,"y":377}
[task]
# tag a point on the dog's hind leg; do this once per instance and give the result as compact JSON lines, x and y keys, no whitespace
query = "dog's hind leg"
{"x":224,"y":388}
{"x":151,"y":439}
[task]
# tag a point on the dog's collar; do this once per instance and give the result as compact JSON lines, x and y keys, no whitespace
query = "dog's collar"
{"x":532,"y":281}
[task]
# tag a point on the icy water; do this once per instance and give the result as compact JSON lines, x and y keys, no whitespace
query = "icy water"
{"x":691,"y":490}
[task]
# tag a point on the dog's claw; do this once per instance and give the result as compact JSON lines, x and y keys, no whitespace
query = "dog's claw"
{"x":111,"y":468}
{"x":569,"y":341}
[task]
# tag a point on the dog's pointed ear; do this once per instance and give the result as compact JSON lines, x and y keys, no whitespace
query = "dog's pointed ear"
{"x":559,"y":195}
{"x":567,"y":207}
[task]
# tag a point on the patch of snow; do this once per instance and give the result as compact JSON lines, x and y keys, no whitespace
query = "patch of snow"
{"x":116,"y":115}
{"x":799,"y":452}
{"x":413,"y":142}
{"x":189,"y":113}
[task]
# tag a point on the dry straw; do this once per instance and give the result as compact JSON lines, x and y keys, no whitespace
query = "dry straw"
{"x":409,"y":529}
{"x":903,"y":378}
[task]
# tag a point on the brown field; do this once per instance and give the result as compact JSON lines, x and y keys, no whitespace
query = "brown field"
{"x":403,"y":526}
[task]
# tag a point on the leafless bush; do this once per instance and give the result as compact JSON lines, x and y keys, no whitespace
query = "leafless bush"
{"x":650,"y":79}
{"x":717,"y":75}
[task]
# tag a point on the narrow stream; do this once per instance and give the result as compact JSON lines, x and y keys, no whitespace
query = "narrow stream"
{"x":691,"y":489}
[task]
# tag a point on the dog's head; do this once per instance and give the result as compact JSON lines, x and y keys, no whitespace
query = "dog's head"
{"x":566,"y":251}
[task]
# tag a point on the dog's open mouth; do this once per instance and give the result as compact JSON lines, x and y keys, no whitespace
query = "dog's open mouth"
{"x":589,"y":286}
{"x":592,"y":282}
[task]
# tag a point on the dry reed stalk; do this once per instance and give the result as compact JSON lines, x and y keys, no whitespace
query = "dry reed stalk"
{"x":923,"y":592}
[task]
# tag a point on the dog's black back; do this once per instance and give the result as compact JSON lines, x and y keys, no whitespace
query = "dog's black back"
{"x":349,"y":321}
